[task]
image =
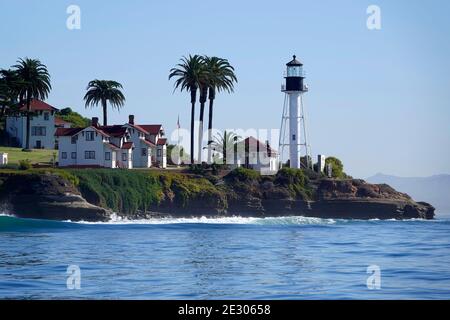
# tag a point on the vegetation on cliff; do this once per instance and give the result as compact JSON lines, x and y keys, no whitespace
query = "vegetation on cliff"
{"x":129,"y":191}
{"x":136,"y":193}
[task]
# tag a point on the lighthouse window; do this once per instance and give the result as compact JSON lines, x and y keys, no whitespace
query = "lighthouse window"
{"x":293,"y":137}
{"x":294,"y":71}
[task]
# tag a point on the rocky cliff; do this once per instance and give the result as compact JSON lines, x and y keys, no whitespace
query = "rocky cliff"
{"x":140,"y":194}
{"x":46,"y":196}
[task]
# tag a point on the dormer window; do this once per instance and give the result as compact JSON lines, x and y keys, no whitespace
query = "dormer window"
{"x":89,"y":135}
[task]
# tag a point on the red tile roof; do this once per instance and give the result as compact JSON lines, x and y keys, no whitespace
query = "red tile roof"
{"x":37,"y":105}
{"x":254,"y":145}
{"x":60,"y":122}
{"x":113,"y":131}
{"x":151,"y":128}
{"x":67,"y":131}
{"x":148,"y":142}
{"x":111,"y":145}
{"x":138,"y":127}
{"x":127,"y":145}
{"x":161,"y":142}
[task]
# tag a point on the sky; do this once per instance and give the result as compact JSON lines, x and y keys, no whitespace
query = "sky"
{"x":379,"y":99}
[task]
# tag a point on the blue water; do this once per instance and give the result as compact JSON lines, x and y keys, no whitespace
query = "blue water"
{"x":235,"y":258}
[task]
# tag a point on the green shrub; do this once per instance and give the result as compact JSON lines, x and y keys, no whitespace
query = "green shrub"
{"x":243,"y":175}
{"x":197,"y":169}
{"x":295,"y":181}
{"x":68,"y":176}
{"x":337,"y":168}
{"x":289,"y":176}
{"x":24,"y":164}
{"x":187,"y":188}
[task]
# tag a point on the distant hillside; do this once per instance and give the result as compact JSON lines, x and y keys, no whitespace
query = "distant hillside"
{"x":434,"y":189}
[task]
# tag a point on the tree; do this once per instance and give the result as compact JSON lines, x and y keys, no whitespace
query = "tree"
{"x":76,"y":119}
{"x":221,"y":77}
{"x":104,"y":91}
{"x":177,"y":154}
{"x":337,"y":168}
{"x":8,"y":89}
{"x":225,"y":144}
{"x":33,"y":82}
{"x":188,"y":75}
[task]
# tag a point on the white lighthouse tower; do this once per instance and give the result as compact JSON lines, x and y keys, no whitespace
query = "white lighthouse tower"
{"x":293,"y":125}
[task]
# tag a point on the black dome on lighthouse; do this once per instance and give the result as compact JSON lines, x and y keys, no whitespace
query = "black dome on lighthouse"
{"x":294,"y":62}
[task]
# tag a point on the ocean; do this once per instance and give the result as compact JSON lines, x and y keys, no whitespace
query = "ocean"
{"x":226,"y":258}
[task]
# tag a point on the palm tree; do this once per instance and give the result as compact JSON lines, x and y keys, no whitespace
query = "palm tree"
{"x":188,"y":76}
{"x":104,"y":91}
{"x":221,"y":77}
{"x":33,"y":83}
{"x":225,"y":144}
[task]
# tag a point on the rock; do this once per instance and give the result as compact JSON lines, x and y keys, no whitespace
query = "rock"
{"x":48,"y":196}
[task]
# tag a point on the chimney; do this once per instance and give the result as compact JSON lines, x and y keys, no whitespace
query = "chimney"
{"x":268,"y":148}
{"x":131,"y":119}
{"x":94,"y":122}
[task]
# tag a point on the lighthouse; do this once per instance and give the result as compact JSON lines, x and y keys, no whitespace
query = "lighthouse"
{"x":293,"y":124}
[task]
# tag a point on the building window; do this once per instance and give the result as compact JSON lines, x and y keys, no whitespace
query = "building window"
{"x":63,"y":155}
{"x":158,"y":153}
{"x":38,"y":131}
{"x":124,"y":157}
{"x":89,"y":154}
{"x":74,"y":139}
{"x":144,"y":152}
{"x":293,"y":137}
{"x":46,"y":116}
{"x":89,"y":135}
{"x":108,"y":156}
{"x":74,"y":155}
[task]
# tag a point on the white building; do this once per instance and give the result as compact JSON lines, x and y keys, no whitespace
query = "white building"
{"x":144,"y":136}
{"x":253,"y":154}
{"x":42,"y":126}
{"x":321,"y":163}
{"x":118,"y":146}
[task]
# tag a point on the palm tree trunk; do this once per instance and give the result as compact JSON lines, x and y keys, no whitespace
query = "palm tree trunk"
{"x":224,"y":151}
{"x":203,"y":95}
{"x":193,"y":99}
{"x":200,"y":132}
{"x":105,"y":113}
{"x":27,"y":138}
{"x":210,"y":120}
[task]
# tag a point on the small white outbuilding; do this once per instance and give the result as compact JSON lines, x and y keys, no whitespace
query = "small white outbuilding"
{"x":3,"y":159}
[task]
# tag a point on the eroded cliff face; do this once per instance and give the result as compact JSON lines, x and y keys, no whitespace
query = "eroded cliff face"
{"x":323,"y":198}
{"x":51,"y":196}
{"x":46,"y":196}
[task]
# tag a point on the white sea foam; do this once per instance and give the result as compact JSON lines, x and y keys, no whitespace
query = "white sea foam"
{"x":297,"y":220}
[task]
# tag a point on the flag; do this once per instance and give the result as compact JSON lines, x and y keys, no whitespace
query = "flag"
{"x":178,"y":122}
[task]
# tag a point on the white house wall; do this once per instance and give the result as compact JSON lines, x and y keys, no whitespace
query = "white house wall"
{"x":97,"y":145}
{"x":16,"y":128}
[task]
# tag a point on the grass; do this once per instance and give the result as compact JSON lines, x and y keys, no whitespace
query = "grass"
{"x":35,"y":156}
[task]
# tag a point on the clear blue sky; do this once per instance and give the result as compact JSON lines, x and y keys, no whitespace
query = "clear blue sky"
{"x":379,"y":100}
